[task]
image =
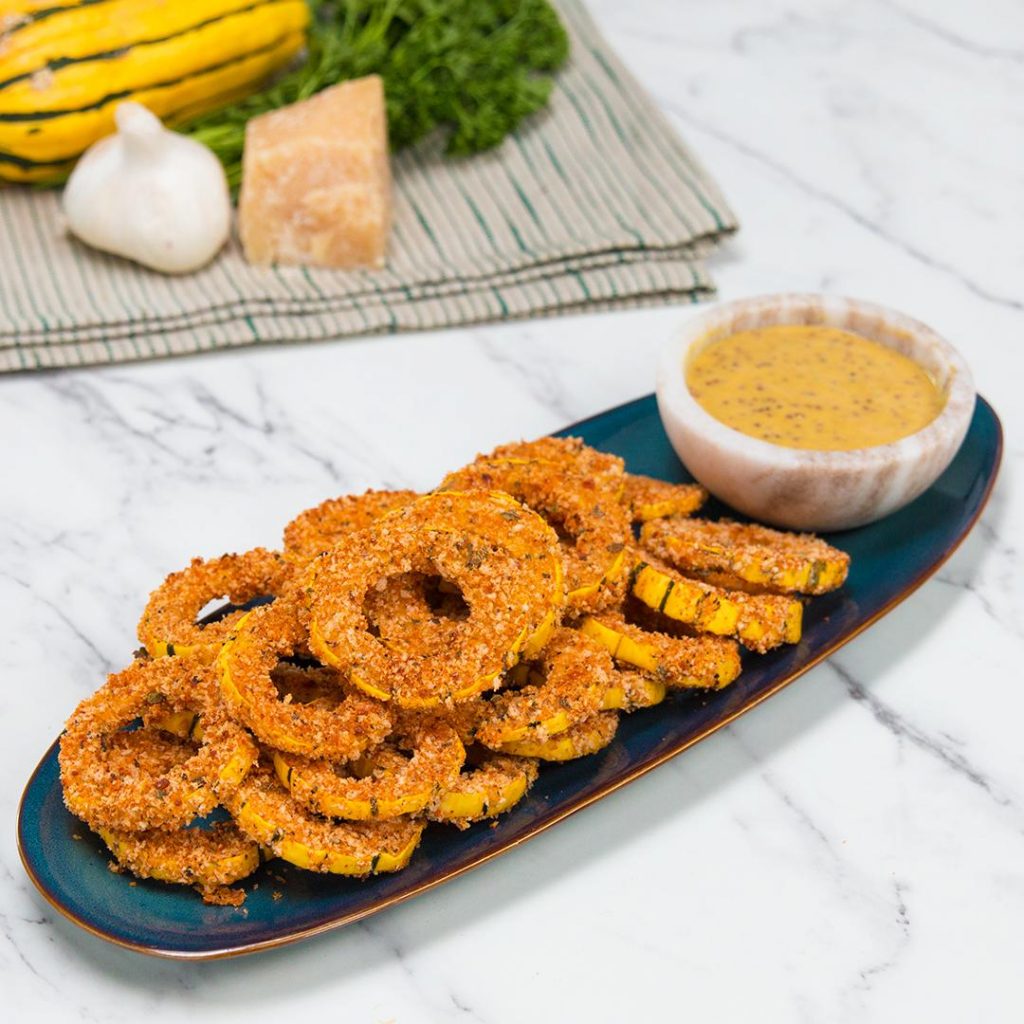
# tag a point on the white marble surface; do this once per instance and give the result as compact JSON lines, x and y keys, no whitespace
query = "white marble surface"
{"x":854,"y":849}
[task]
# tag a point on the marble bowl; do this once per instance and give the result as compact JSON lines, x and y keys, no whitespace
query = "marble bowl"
{"x":813,"y":490}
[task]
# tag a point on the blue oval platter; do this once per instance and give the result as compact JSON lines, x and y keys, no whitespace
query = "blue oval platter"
{"x":890,"y":559}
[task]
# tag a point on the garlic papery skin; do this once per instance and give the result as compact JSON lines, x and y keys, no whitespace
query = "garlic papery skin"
{"x":150,"y":194}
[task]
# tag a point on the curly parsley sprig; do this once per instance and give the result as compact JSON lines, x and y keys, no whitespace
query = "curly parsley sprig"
{"x":472,"y":68}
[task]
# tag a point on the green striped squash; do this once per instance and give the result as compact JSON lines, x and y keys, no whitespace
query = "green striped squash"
{"x":65,"y":67}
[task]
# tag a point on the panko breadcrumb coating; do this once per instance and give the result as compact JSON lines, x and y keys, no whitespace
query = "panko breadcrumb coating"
{"x":105,"y":788}
{"x":168,"y":625}
{"x":319,"y":529}
{"x":401,"y":776}
{"x":649,"y":499}
{"x":502,"y":556}
{"x":490,"y":785}
{"x":632,"y":691}
{"x":412,"y":611}
{"x":706,"y":662}
{"x":581,"y":740}
{"x":577,"y":674}
{"x":577,"y":491}
{"x":205,"y":858}
{"x":783,"y":562}
{"x":246,"y":664}
{"x":265,"y":811}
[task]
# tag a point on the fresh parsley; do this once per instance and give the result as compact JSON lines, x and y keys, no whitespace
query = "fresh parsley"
{"x":471,"y":68}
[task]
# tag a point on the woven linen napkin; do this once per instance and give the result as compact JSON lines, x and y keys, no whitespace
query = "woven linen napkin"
{"x":595,"y":203}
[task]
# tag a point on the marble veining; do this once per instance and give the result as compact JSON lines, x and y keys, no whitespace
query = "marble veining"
{"x":853,"y":850}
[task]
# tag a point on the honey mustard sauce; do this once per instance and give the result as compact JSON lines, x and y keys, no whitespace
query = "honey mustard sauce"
{"x":808,"y":386}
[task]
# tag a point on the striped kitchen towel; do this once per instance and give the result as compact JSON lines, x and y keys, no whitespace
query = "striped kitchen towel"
{"x":595,"y":203}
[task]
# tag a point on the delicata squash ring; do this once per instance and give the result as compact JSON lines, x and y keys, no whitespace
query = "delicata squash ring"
{"x":168,"y":624}
{"x":319,"y":529}
{"x":384,"y":782}
{"x":596,"y":520}
{"x":759,"y":621}
{"x":628,"y":691}
{"x":423,"y":613}
{"x":106,"y":790}
{"x":754,"y":554}
{"x":206,"y":858}
{"x":491,"y":785}
{"x":704,"y":662}
{"x":584,"y":738}
{"x":579,"y":672}
{"x":633,"y":691}
{"x":265,"y":811}
{"x":261,"y":639}
{"x":504,"y":559}
{"x":605,"y":471}
{"x":297,"y":685}
{"x":574,"y":488}
{"x":649,"y":499}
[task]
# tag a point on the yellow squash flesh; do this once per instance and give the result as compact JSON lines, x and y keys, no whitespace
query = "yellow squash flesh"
{"x":352,"y":809}
{"x":313,"y":858}
{"x":725,"y":613}
{"x":179,"y":867}
{"x":484,"y":803}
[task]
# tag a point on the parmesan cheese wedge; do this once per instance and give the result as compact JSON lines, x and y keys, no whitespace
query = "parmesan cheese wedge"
{"x":316,"y":180}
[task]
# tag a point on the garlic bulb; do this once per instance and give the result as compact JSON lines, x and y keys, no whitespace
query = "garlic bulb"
{"x":150,"y":194}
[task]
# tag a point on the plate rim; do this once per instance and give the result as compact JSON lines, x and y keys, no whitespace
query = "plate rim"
{"x":260,"y":945}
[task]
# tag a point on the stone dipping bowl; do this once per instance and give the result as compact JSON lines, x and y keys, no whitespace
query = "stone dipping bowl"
{"x":804,"y":489}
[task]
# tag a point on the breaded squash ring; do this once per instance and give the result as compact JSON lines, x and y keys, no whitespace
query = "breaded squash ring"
{"x":168,"y":624}
{"x":295,"y":684}
{"x":648,"y":498}
{"x":633,"y":691}
{"x":401,"y":776}
{"x":265,"y":811}
{"x":490,"y":785}
{"x":578,"y":672}
{"x":604,"y":470}
{"x":318,"y":529}
{"x":577,"y":490}
{"x":503,"y":558}
{"x":584,"y":738}
{"x":205,"y":858}
{"x":788,"y":562}
{"x":759,"y":621}
{"x":246,"y":665}
{"x":111,"y":781}
{"x":683,"y":662}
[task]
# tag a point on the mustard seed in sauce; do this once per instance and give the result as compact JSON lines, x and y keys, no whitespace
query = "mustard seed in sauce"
{"x":810,"y":386}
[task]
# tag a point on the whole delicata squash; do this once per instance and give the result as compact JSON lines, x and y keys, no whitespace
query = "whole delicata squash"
{"x":65,"y":67}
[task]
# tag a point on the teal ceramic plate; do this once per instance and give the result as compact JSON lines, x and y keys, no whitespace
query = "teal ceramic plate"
{"x":890,"y":559}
